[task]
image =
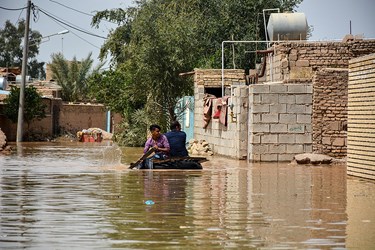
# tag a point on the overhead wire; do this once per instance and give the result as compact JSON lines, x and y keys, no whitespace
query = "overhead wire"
{"x":4,"y":8}
{"x":71,"y":8}
{"x":64,"y":22}
{"x":76,"y":34}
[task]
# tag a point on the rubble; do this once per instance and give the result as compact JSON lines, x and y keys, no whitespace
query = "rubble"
{"x":199,"y":148}
{"x":314,"y":159}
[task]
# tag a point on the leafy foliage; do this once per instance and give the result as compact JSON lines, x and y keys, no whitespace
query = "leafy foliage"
{"x":11,"y":48}
{"x":34,"y":106}
{"x":157,"y":40}
{"x":72,"y":76}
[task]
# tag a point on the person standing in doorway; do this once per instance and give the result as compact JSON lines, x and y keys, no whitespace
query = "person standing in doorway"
{"x":177,"y":140}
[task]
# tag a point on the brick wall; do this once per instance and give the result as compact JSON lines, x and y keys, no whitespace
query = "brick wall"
{"x":75,"y":117}
{"x":62,"y":117}
{"x":213,"y":77}
{"x":361,"y":117}
{"x":279,"y":121}
{"x":297,"y":61}
{"x":329,"y":119}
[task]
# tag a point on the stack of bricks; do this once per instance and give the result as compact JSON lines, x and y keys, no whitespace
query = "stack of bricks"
{"x":329,"y":117}
{"x":213,"y":77}
{"x":361,"y":117}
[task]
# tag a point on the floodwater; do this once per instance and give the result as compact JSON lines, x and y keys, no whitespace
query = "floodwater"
{"x":83,"y":196}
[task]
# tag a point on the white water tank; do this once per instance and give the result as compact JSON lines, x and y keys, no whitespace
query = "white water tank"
{"x":287,"y":26}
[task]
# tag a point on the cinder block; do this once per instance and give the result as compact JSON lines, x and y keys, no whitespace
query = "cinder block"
{"x":308,"y":148}
{"x":254,"y":138}
{"x":278,"y":108}
{"x":277,"y":148}
{"x":260,"y":88}
{"x":259,"y":128}
{"x":291,"y":99}
{"x":303,"y":138}
{"x":260,"y":149}
{"x":304,"y":99}
{"x":287,"y":138}
{"x":255,"y":99}
{"x":306,"y":119}
{"x":268,"y":138}
{"x":278,"y":88}
{"x":287,"y":118}
{"x":270,"y":118}
{"x":296,"y":88}
{"x":268,"y":157}
{"x":295,"y":108}
{"x":296,"y":149}
{"x":278,"y":128}
{"x":296,"y":128}
{"x":285,"y":157}
{"x":261,"y":108}
{"x":270,"y":98}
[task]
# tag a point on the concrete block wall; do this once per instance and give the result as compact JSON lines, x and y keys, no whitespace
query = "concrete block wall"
{"x":230,"y":140}
{"x":329,"y":119}
{"x":279,"y":121}
{"x":293,"y":62}
{"x":361,"y":117}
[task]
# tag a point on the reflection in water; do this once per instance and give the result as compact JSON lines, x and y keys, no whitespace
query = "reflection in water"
{"x":79,"y":195}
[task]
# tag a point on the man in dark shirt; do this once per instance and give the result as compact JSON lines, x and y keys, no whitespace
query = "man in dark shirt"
{"x":177,"y":140}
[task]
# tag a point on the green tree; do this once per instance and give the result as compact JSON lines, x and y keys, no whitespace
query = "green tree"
{"x":72,"y":76}
{"x":157,"y":40}
{"x":34,"y":106}
{"x":11,"y":48}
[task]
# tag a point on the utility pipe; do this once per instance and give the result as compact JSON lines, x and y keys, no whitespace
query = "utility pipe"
{"x":264,"y":20}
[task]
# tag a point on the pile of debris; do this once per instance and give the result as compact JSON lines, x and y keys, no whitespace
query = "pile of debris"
{"x":199,"y":148}
{"x":93,"y":135}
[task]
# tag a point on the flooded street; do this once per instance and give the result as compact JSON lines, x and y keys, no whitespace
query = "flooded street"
{"x":83,"y":196}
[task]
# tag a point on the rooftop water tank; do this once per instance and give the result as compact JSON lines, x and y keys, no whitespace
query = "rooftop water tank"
{"x":287,"y":26}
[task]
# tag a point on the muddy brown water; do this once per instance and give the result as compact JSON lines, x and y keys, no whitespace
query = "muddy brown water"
{"x":83,"y":196}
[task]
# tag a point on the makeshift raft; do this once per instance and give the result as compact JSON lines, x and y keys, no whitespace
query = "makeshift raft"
{"x":173,"y":163}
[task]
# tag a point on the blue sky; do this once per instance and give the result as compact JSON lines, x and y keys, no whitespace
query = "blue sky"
{"x":330,"y":19}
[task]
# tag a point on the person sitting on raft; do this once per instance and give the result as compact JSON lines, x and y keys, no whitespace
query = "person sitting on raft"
{"x":177,"y":141}
{"x":157,"y":141}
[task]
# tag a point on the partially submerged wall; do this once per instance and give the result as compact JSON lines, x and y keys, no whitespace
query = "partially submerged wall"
{"x":230,"y":140}
{"x":329,"y":120}
{"x":61,"y":118}
{"x":361,"y":117}
{"x":75,"y":117}
{"x":279,"y":121}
